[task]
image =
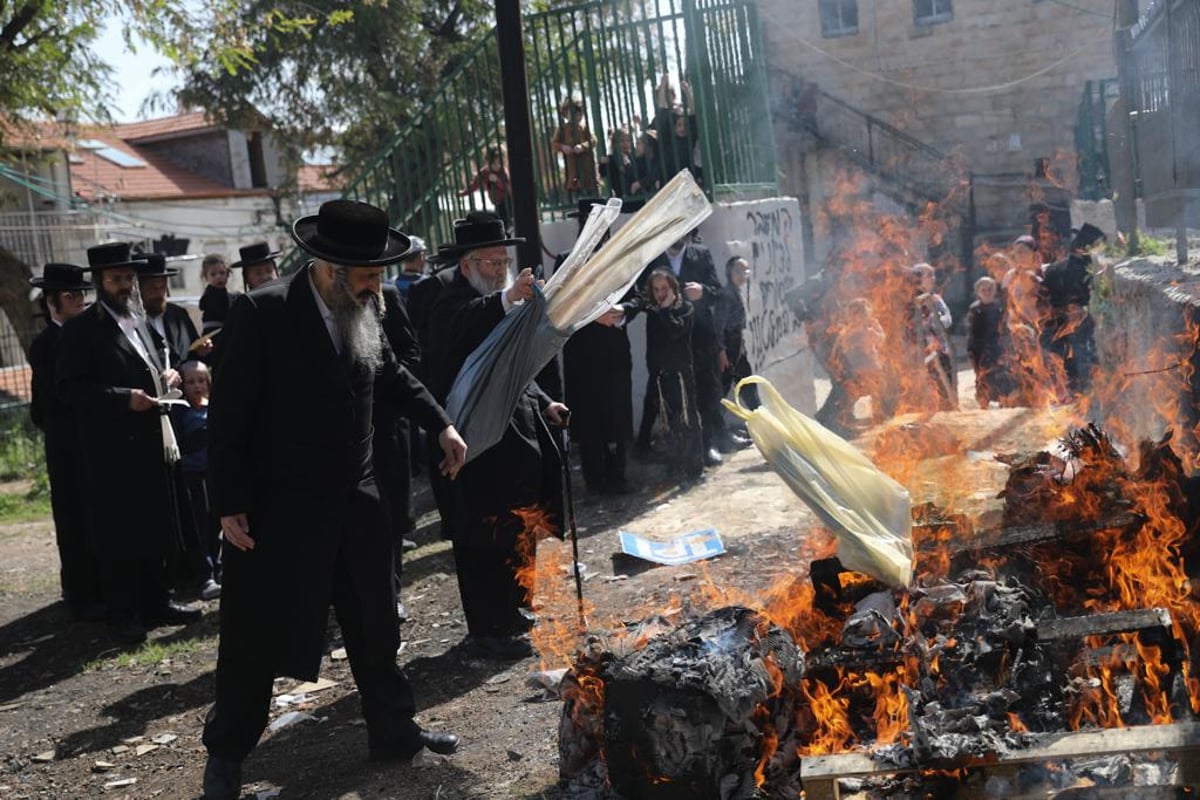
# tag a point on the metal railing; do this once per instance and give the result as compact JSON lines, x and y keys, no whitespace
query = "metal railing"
{"x":610,"y":56}
{"x":36,"y":237}
{"x":1091,"y":140}
{"x":878,"y":146}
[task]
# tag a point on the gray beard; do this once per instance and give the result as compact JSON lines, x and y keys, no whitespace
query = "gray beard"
{"x":359,"y":327}
{"x":482,"y":284}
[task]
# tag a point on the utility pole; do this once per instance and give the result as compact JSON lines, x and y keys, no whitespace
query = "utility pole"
{"x":518,"y":131}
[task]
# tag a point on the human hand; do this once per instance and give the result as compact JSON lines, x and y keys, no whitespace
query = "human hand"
{"x":204,"y":348}
{"x":557,"y":414}
{"x":611,"y":318}
{"x":522,"y":288}
{"x":140,"y":401}
{"x":693,"y":291}
{"x":668,"y":300}
{"x":236,"y":530}
{"x":723,"y":361}
{"x":455,"y":451}
{"x":171,"y":378}
{"x":635,"y":187}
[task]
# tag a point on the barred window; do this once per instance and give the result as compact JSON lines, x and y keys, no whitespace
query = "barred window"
{"x":839,"y":17}
{"x":931,"y":12}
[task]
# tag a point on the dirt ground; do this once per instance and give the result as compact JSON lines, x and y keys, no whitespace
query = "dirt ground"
{"x":79,"y":718}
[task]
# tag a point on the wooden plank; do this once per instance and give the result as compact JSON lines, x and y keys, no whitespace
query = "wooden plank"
{"x":1023,"y":535}
{"x":1182,"y":737}
{"x":1109,"y":622}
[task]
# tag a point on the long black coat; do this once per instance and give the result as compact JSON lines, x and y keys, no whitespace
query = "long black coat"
{"x":181,"y":332}
{"x":290,"y":446}
{"x":523,"y":468}
{"x":391,"y":442}
{"x":698,"y":267}
{"x":127,"y":481}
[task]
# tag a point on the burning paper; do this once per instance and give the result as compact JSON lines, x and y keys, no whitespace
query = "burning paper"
{"x":870,"y":513}
{"x":491,"y":380}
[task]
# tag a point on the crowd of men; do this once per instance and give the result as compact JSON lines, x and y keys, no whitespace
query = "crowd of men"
{"x":284,"y":502}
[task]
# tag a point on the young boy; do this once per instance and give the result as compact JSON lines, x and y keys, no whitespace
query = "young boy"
{"x":191,"y":430}
{"x":933,"y":321}
{"x":985,"y":344}
{"x":215,"y":301}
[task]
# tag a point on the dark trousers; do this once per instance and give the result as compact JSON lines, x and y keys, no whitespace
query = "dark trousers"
{"x":603,"y":464}
{"x":205,"y":525}
{"x":649,"y":415}
{"x":708,"y":395}
{"x":245,"y":675}
{"x":134,"y":582}
{"x":492,"y":595}
{"x":80,"y":567}
{"x":677,"y":401}
{"x":188,"y":555}
{"x":739,"y":367}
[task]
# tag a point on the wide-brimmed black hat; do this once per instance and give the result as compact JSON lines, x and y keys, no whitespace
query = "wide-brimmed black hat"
{"x":61,"y":278}
{"x":1087,"y":236}
{"x":153,"y":265}
{"x":350,"y":233}
{"x":256,"y":253}
{"x":110,"y":256}
{"x":478,"y":230}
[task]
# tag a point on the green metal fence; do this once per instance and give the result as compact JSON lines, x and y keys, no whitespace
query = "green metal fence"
{"x":610,"y":56}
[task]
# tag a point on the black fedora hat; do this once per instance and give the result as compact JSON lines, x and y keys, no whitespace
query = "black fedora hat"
{"x":60,"y":278}
{"x":111,"y":256}
{"x":1087,"y":236}
{"x":350,"y":233}
{"x":478,"y":230}
{"x":153,"y":265}
{"x":256,"y":253}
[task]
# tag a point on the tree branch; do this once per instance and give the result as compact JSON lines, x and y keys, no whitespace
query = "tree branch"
{"x":18,"y":23}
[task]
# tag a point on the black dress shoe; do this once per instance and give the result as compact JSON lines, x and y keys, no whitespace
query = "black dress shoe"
{"x":172,"y":614}
{"x":126,"y":631}
{"x":222,"y":779}
{"x":441,"y":743}
{"x":712,"y":458}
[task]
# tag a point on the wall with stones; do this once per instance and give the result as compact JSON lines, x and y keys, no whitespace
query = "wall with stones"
{"x":999,"y":83}
{"x":1146,"y":338}
{"x":767,"y":233}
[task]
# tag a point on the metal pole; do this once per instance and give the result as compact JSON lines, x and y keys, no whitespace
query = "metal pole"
{"x":518,"y":130}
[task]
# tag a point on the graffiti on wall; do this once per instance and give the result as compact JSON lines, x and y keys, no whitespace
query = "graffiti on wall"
{"x":776,"y":269}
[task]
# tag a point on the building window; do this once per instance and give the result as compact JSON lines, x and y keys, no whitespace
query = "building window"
{"x":931,"y":12}
{"x":839,"y":17}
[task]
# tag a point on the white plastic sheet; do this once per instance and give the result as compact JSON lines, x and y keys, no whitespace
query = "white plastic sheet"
{"x":869,"y":512}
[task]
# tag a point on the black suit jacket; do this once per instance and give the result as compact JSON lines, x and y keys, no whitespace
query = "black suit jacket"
{"x":290,"y":445}
{"x":96,"y":370}
{"x":181,"y":332}
{"x":522,"y":469}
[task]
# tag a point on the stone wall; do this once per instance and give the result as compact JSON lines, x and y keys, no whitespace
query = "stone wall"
{"x":767,"y":233}
{"x":1146,"y":341}
{"x":999,"y":83}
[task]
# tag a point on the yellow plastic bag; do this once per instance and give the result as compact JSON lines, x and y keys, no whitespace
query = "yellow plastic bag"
{"x":870,"y":513}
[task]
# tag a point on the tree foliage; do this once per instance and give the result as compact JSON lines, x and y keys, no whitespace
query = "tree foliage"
{"x":341,"y":73}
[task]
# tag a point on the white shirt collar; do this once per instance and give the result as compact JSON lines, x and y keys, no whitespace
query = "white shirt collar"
{"x":676,"y":261}
{"x":326,"y":314}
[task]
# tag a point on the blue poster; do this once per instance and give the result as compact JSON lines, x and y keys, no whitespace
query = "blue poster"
{"x":684,"y":549}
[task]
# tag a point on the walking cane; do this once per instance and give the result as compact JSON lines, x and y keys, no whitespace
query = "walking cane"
{"x":570,"y":495}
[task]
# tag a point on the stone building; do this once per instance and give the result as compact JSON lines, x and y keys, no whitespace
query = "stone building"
{"x":927,"y":95}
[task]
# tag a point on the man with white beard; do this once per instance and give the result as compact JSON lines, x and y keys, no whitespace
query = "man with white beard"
{"x":110,"y":373}
{"x":290,"y":475}
{"x":521,"y":473}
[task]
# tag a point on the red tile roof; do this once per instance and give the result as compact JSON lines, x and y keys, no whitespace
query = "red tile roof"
{"x":160,"y":178}
{"x":190,"y":123}
{"x":318,"y":178}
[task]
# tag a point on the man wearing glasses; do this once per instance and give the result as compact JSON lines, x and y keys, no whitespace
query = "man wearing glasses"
{"x":63,"y":292}
{"x":488,"y":511}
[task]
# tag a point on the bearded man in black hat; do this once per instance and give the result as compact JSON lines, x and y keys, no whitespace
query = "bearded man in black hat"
{"x":1069,"y":331}
{"x":170,"y":325}
{"x":257,"y":262}
{"x":63,"y":292}
{"x":111,"y":374}
{"x":294,"y":488}
{"x":520,"y":472}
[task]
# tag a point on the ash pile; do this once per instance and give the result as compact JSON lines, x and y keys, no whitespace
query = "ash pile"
{"x":1070,"y":615}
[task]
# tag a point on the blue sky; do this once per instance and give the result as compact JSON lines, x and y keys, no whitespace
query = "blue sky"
{"x":132,"y":73}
